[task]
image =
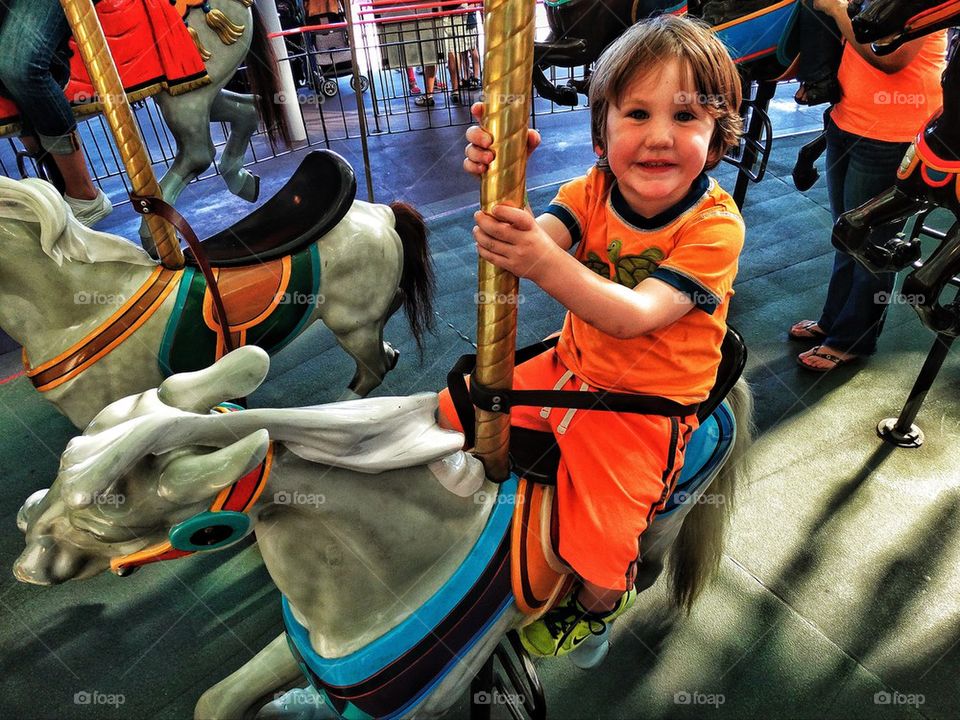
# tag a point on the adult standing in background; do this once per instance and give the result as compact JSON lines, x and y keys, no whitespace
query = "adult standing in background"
{"x":886,"y":100}
{"x":34,"y":68}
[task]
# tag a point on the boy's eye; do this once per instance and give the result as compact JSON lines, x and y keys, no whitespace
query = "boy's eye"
{"x":638,"y":114}
{"x":685,"y":116}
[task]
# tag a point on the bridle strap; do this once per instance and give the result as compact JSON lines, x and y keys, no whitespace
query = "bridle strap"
{"x":236,"y":498}
{"x":146,"y":205}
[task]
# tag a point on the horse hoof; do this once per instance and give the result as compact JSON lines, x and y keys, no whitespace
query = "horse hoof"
{"x":249,"y":187}
{"x":805,"y":178}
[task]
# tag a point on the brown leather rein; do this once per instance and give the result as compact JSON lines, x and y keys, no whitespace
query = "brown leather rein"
{"x":156,"y":206}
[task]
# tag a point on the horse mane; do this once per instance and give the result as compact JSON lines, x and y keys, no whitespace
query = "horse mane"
{"x":62,"y":237}
{"x":371,"y":435}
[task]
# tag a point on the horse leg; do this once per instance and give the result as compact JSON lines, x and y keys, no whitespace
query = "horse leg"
{"x":240,"y":112}
{"x":188,"y":118}
{"x":373,"y":356}
{"x":271,"y":668}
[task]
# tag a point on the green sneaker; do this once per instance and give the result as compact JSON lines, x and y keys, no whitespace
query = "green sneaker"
{"x":564,"y":627}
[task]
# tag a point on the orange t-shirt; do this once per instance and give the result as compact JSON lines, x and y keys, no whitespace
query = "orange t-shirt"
{"x":891,"y":107}
{"x":694,"y":247}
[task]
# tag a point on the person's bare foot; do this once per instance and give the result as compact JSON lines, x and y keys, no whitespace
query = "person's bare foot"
{"x":823,"y":358}
{"x":806,"y":330}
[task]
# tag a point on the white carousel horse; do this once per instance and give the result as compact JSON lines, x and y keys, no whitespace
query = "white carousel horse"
{"x":378,"y":478}
{"x":63,"y":286}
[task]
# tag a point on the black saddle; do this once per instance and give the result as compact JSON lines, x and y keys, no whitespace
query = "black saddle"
{"x":313,"y":201}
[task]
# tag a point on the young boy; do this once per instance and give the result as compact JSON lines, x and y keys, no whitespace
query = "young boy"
{"x":647,"y":287}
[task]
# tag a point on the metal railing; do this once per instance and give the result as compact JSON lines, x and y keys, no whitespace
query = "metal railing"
{"x":394,"y":40}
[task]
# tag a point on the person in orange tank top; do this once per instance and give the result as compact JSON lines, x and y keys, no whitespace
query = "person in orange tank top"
{"x":886,"y":100}
{"x":655,"y":245}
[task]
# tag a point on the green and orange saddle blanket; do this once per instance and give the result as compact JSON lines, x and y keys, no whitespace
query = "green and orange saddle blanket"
{"x":267,"y":304}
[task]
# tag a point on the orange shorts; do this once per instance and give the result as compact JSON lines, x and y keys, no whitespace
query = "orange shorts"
{"x":616,"y":470}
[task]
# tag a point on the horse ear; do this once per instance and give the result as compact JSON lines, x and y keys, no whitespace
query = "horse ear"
{"x":192,"y":478}
{"x":31,"y":506}
{"x":235,"y":375}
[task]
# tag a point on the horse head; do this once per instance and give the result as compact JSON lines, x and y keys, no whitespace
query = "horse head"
{"x":61,"y":237}
{"x":145,"y":463}
{"x":888,"y":24}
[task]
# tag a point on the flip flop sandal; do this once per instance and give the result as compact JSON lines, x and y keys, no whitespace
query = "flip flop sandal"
{"x":425,"y":101}
{"x":829,"y":357}
{"x":804,"y":330}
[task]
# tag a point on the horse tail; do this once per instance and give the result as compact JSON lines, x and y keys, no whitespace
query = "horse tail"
{"x":698,"y":549}
{"x":417,"y":282}
{"x":264,"y":83}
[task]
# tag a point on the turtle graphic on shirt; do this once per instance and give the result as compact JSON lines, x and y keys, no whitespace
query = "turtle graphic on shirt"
{"x":628,"y":270}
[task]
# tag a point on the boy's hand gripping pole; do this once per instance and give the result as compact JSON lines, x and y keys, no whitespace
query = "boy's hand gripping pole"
{"x":106,"y":81}
{"x":508,"y":68}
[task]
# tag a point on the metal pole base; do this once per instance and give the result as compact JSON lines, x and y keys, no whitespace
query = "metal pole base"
{"x":887,"y":429}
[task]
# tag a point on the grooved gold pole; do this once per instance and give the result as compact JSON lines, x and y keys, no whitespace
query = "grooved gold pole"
{"x":106,"y":81}
{"x":507,"y":71}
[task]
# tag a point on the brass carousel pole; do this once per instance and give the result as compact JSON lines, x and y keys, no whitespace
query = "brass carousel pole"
{"x":106,"y":81}
{"x":508,"y":66}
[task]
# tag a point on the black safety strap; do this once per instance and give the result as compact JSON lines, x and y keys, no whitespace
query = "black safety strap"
{"x":502,"y":401}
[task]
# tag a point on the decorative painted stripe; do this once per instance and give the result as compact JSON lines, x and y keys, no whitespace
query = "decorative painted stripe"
{"x":928,"y":156}
{"x":707,"y":450}
{"x":928,"y":17}
{"x":394,"y":672}
{"x":117,"y":328}
{"x":237,"y":498}
{"x":391,"y":691}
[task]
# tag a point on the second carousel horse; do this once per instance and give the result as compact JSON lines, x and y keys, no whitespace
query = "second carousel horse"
{"x":99,"y":319}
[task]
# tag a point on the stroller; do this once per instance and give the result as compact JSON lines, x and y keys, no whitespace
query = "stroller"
{"x":329,"y":50}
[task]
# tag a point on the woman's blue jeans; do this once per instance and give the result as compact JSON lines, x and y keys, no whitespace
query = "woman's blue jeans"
{"x":857,"y":169}
{"x":34,"y":66}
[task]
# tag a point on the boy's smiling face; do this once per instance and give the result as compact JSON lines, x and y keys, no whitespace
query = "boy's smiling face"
{"x":658,"y":138}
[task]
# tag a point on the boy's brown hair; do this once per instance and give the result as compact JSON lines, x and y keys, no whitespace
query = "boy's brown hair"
{"x":645,"y":46}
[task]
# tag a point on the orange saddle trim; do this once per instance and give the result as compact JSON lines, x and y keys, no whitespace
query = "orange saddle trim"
{"x":539,"y":578}
{"x":250,"y":294}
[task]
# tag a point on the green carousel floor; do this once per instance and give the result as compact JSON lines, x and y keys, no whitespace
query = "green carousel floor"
{"x":838,"y":592}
